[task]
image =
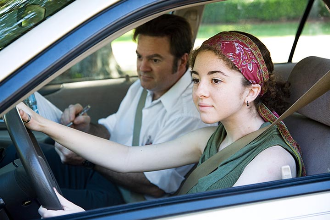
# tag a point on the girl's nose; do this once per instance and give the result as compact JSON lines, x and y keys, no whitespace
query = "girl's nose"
{"x":201,"y":89}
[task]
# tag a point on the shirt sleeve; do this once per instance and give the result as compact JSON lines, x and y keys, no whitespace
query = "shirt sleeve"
{"x":109,"y":122}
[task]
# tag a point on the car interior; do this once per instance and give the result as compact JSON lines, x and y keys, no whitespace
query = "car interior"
{"x":309,"y":126}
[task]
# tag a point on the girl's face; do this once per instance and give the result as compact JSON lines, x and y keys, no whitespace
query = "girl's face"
{"x":218,"y":92}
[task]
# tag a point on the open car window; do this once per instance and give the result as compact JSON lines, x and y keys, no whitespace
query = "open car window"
{"x":274,"y":24}
{"x":315,"y":35}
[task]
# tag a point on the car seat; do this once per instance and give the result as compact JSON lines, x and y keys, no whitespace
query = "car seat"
{"x":310,"y":126}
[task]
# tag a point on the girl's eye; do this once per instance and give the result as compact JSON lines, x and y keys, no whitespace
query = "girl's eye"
{"x":216,"y":81}
{"x":195,"y":81}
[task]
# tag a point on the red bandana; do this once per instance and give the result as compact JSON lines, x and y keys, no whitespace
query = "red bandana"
{"x":244,"y":53}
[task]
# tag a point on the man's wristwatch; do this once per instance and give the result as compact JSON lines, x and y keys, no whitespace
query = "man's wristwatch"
{"x":88,"y":164}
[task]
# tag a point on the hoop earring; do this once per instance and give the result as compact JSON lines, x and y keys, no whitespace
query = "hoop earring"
{"x":247,"y":103}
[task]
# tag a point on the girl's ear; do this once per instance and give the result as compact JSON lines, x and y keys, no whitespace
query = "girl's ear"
{"x":253,"y":92}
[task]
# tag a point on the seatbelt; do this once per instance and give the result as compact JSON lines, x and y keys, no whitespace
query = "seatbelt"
{"x":128,"y":195}
{"x":318,"y":89}
{"x":138,"y":118}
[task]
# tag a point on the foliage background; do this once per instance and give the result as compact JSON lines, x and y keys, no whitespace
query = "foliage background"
{"x":265,"y":10}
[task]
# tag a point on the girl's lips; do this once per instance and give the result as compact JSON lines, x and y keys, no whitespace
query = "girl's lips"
{"x":203,"y":106}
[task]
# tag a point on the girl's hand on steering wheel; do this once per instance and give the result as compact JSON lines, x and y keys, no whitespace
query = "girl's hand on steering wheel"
{"x":30,"y":118}
{"x":68,"y":208}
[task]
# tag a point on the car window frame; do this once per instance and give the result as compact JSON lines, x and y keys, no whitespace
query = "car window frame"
{"x":211,"y":200}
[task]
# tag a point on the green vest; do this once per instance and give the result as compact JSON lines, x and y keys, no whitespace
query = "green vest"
{"x":228,"y":172}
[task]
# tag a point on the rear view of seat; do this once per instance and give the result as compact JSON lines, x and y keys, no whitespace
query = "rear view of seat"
{"x":310,"y":126}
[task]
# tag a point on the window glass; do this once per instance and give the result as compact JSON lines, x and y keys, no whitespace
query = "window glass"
{"x":274,"y":22}
{"x":115,"y":60}
{"x":99,"y":65}
{"x":19,"y":16}
{"x":124,"y":50}
{"x":314,"y":40}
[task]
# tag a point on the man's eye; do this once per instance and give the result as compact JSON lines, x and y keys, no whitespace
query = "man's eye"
{"x":195,"y":81}
{"x":216,"y":81}
{"x":155,"y":60}
{"x":139,"y":57}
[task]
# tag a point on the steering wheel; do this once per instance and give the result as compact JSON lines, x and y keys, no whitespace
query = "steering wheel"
{"x":33,"y":160}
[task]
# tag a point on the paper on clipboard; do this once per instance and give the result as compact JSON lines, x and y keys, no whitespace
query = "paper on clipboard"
{"x":47,"y":109}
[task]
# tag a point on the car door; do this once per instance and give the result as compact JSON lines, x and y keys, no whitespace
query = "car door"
{"x":221,"y":200}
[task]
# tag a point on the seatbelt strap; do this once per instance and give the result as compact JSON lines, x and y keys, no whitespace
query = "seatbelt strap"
{"x":127,"y":194}
{"x":138,"y":118}
{"x":318,"y":89}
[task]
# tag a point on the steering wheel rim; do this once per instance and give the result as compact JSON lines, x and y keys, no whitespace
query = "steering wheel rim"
{"x":33,"y":160}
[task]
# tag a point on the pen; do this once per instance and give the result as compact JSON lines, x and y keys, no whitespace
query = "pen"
{"x":80,"y":114}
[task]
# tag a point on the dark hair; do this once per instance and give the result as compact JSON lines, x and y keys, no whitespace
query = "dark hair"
{"x":277,"y":92}
{"x":176,"y":28}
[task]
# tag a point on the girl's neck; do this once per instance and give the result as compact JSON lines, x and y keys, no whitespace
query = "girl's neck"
{"x":240,"y":126}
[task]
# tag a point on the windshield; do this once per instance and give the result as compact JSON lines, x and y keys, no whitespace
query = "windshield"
{"x":19,"y":16}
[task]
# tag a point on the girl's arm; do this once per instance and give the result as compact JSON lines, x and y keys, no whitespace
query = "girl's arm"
{"x":184,"y":150}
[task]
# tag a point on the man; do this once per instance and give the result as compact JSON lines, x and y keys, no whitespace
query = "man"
{"x":163,"y":47}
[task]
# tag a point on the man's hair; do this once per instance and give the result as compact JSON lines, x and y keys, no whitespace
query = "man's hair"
{"x":176,"y":28}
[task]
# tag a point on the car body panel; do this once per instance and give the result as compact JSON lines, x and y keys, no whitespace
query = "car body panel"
{"x":232,"y":199}
{"x":84,"y":34}
{"x":302,"y":207}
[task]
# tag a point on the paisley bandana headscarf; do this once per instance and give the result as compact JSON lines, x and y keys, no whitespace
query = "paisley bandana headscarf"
{"x":244,"y":53}
{"x":246,"y":56}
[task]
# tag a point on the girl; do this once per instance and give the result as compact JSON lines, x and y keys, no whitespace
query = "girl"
{"x":233,"y":85}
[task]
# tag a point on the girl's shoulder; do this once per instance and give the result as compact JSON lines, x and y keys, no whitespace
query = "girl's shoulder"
{"x":267,"y":166}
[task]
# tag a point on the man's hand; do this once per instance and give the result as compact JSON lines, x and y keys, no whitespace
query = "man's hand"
{"x":67,"y":156}
{"x":81,"y":123}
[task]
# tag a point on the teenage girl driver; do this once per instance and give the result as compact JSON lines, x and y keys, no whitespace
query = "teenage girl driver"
{"x":233,"y":85}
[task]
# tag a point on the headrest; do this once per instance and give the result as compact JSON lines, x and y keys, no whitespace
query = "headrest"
{"x":303,"y":76}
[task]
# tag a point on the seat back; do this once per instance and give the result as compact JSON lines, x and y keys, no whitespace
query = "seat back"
{"x":310,"y":126}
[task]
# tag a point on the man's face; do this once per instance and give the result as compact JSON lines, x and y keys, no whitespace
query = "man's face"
{"x":155,"y":64}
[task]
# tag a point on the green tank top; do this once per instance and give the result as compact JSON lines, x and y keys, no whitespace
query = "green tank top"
{"x":228,"y":172}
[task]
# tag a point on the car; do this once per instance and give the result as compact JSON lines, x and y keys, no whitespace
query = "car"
{"x":81,"y":52}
